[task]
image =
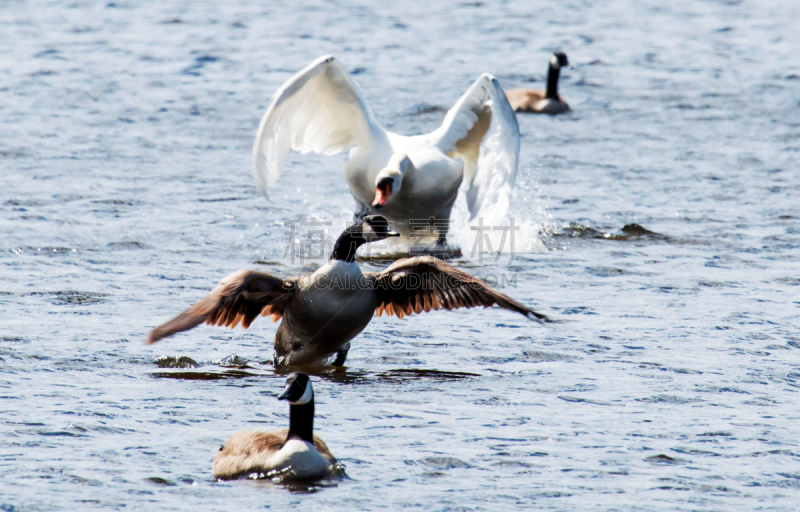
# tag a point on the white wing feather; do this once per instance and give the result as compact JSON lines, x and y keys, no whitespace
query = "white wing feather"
{"x":482,"y":130}
{"x":320,"y":110}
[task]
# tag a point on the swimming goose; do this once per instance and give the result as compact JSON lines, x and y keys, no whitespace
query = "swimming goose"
{"x":293,"y":452}
{"x":413,"y":181}
{"x":541,"y":101}
{"x":323,"y":311}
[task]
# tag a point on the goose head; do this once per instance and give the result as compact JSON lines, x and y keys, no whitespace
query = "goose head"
{"x":559,"y":60}
{"x":390,"y":179}
{"x":298,"y":390}
{"x":375,"y":228}
{"x":300,"y":395}
{"x":372,"y":229}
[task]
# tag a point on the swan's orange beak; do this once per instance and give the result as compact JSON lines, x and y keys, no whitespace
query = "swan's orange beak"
{"x":382,"y":193}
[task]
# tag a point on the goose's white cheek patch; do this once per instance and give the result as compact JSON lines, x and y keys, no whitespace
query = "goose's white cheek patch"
{"x":307,"y":396}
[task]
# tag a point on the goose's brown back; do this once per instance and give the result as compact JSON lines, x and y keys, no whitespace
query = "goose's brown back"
{"x":243,"y":452}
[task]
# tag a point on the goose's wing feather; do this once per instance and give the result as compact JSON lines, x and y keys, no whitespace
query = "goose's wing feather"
{"x":319,"y":110}
{"x":482,"y":130}
{"x":239,"y":298}
{"x":425,"y":283}
{"x":524,"y":99}
{"x":323,"y":450}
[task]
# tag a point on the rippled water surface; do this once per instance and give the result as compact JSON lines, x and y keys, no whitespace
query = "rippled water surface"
{"x":670,"y":382}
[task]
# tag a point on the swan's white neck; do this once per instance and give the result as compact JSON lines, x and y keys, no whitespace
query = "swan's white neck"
{"x":395,"y":168}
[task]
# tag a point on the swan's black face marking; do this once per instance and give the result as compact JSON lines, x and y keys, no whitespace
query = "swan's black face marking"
{"x":561,"y":59}
{"x":298,"y":390}
{"x":382,"y":192}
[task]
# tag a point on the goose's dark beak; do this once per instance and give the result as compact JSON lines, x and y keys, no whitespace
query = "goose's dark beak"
{"x":285,"y":394}
{"x":392,"y":233}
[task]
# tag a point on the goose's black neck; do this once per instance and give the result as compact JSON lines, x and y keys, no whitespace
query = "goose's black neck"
{"x":552,"y":81}
{"x":347,"y":244}
{"x":301,"y":422}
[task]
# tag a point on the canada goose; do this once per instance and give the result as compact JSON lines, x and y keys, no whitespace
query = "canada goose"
{"x":541,"y":101}
{"x":293,"y":452}
{"x":323,"y":311}
{"x":321,"y":109}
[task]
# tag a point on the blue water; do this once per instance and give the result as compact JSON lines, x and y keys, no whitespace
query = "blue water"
{"x":670,"y":383}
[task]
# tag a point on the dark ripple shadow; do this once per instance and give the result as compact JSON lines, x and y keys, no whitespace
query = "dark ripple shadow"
{"x":119,"y":202}
{"x":229,"y":368}
{"x":341,"y":375}
{"x":443,"y":463}
{"x":663,"y":460}
{"x":176,"y":362}
{"x":628,"y":233}
{"x":207,"y":375}
{"x":157,"y":480}
{"x":606,"y":271}
{"x":575,"y":399}
{"x":73,"y":297}
{"x":126,"y":246}
{"x":537,"y":356}
{"x":402,"y":375}
{"x":669,"y":399}
{"x":234,"y":367}
{"x":294,"y":485}
{"x":221,"y":199}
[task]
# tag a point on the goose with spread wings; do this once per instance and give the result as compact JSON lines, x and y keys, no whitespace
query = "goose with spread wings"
{"x":412,"y":181}
{"x":320,"y":313}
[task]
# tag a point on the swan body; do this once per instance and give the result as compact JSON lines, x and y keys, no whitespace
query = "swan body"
{"x":409,"y":180}
{"x":427,"y":188}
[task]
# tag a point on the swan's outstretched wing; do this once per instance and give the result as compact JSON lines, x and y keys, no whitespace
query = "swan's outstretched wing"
{"x":319,"y":110}
{"x":239,"y":298}
{"x":425,"y":283}
{"x":482,"y":130}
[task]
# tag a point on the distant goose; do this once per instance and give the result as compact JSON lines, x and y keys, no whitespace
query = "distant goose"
{"x":323,"y":311}
{"x":322,"y":110}
{"x":294,"y":452}
{"x":541,"y":101}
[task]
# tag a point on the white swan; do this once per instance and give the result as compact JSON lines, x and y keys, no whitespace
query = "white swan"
{"x":412,"y":181}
